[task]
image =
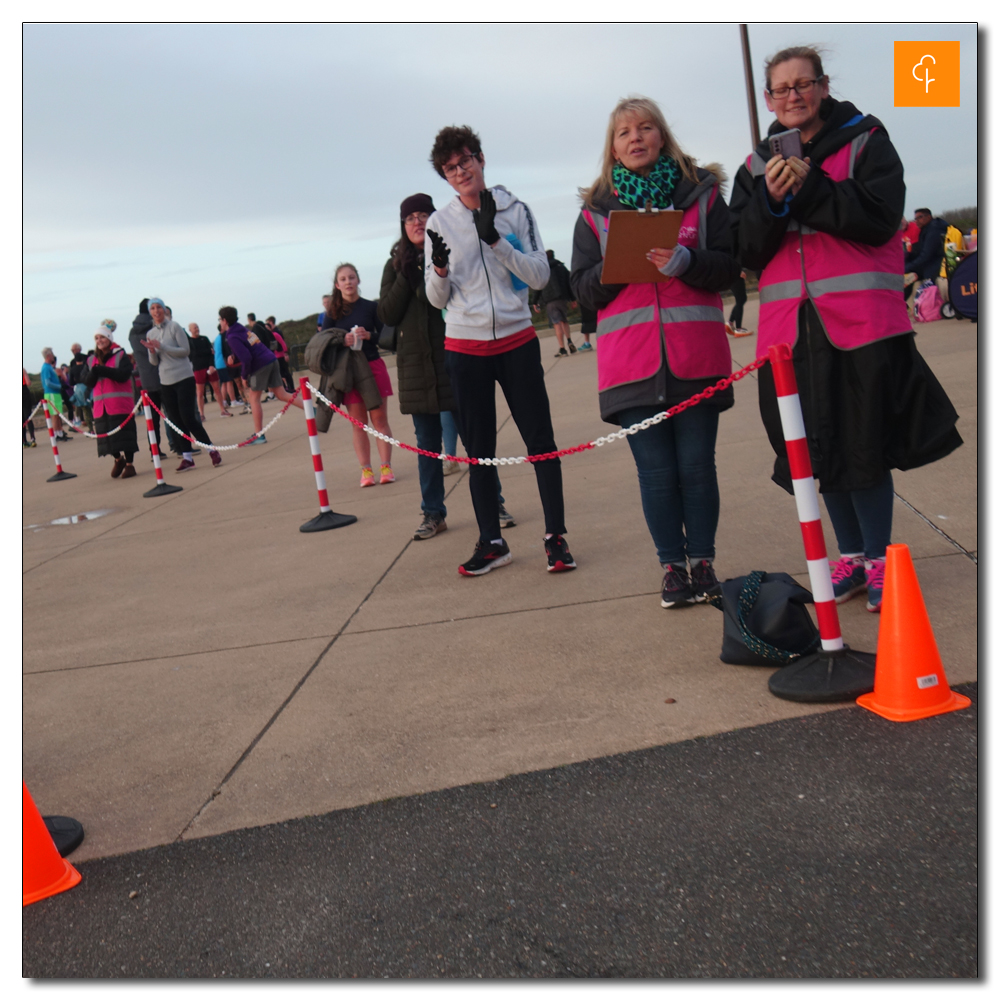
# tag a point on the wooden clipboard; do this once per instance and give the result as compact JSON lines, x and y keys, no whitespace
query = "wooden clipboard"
{"x":631,"y":235}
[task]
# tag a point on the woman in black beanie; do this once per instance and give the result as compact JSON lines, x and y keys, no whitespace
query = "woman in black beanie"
{"x":423,"y":385}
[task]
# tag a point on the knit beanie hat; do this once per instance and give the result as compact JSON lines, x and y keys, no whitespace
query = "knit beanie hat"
{"x":110,"y":324}
{"x":416,"y":203}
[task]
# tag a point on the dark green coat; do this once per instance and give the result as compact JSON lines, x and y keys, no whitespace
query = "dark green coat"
{"x":423,"y":384}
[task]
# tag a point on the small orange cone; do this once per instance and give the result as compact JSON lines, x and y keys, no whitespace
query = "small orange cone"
{"x":44,"y":872}
{"x":909,"y":678}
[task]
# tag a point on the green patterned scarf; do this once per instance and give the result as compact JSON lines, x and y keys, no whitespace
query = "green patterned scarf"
{"x":634,"y":190}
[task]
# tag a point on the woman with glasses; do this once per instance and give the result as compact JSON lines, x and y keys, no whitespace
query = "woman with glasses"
{"x":659,"y":343}
{"x":822,"y":227}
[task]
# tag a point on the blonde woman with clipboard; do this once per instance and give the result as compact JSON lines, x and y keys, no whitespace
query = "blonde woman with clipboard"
{"x":661,"y":341}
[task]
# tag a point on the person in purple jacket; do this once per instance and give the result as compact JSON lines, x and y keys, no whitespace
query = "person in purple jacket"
{"x":258,"y":367}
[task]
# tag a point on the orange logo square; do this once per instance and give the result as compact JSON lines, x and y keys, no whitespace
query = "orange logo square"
{"x":926,"y":74}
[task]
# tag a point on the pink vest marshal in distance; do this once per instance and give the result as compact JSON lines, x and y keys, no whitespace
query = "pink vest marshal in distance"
{"x":689,"y":322}
{"x":857,"y":289}
{"x":110,"y":396}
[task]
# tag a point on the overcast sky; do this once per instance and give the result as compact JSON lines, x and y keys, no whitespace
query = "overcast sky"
{"x":215,"y":165}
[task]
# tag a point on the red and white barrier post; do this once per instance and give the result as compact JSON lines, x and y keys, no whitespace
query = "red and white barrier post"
{"x":327,"y":518}
{"x":161,"y":488}
{"x":836,"y":672}
{"x":60,"y":475}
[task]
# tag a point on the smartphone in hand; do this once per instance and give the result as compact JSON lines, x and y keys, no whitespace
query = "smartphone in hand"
{"x":786,"y":144}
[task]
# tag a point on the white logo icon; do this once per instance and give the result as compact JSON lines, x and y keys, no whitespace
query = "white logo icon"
{"x":926,"y":79}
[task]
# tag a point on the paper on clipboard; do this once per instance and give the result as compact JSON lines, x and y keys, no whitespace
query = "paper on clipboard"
{"x":631,"y":235}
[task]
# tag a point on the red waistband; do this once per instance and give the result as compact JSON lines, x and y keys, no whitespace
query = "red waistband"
{"x":486,"y":347}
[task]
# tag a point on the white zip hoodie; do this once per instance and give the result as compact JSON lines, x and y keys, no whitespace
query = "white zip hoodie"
{"x":479,"y":292}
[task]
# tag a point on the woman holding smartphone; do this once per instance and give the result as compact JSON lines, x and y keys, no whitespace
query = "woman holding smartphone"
{"x":661,"y":342}
{"x":817,"y":211}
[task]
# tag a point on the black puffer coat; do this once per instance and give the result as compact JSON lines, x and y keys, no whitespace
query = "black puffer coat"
{"x":423,"y":383}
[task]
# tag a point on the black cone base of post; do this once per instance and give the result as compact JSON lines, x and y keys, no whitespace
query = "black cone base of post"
{"x":162,"y":490}
{"x":60,"y":476}
{"x":66,"y":833}
{"x":840,"y":675}
{"x":328,"y":519}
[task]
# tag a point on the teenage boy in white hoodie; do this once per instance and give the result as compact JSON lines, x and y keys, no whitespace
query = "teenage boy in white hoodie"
{"x":482,"y":255}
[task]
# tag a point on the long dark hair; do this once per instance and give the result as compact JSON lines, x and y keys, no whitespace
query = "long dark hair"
{"x":338,"y":307}
{"x":407,"y":257}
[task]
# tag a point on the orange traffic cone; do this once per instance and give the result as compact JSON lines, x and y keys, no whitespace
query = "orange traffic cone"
{"x":909,"y":677}
{"x":44,"y":872}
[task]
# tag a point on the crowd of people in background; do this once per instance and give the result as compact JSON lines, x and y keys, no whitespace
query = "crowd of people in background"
{"x":455,"y":305}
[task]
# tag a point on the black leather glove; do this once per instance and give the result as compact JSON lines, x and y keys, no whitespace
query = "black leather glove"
{"x":440,"y":250}
{"x":484,"y":216}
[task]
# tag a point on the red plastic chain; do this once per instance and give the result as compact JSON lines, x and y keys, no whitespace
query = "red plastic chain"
{"x":241,"y":444}
{"x":76,"y":430}
{"x":673,"y":411}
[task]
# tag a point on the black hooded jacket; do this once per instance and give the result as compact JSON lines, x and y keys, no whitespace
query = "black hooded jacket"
{"x":866,"y":208}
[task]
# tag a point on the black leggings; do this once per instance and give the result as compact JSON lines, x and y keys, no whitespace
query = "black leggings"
{"x":180,"y":404}
{"x":739,"y":291}
{"x":522,"y":379}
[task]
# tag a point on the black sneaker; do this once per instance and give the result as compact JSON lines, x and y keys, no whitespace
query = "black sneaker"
{"x":506,"y":518}
{"x":559,"y":558}
{"x":562,"y":353}
{"x":572,"y":348}
{"x":486,"y":557}
{"x":677,"y":592}
{"x":703,"y":579}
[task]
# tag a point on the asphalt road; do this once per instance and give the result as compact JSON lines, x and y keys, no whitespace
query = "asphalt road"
{"x":834,"y":845}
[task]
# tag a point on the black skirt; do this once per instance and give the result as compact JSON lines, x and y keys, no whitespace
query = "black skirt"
{"x":123,"y":441}
{"x":866,"y":411}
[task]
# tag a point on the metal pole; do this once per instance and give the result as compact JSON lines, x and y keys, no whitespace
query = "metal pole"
{"x":751,"y":97}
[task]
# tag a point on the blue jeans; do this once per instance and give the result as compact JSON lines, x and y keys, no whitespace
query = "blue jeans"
{"x":862,"y":519}
{"x":449,"y":431}
{"x":428,"y":430}
{"x":675,"y":460}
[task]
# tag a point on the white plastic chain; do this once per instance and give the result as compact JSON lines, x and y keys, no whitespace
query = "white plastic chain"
{"x":226,"y":447}
{"x":520,"y":459}
{"x":31,"y":415}
{"x":80,"y":430}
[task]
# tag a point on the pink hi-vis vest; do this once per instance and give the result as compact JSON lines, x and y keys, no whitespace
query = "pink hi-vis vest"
{"x":641,"y":317}
{"x":857,"y":289}
{"x":111,"y":396}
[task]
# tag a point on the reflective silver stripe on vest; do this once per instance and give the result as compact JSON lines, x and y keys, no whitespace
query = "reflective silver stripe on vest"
{"x":113,"y":395}
{"x":797,"y":227}
{"x":758,"y":165}
{"x":857,"y":144}
{"x":692,"y":314}
{"x":703,"y":219}
{"x":863,"y":281}
{"x":623,"y":320}
{"x":601,"y":221}
{"x":781,"y":290}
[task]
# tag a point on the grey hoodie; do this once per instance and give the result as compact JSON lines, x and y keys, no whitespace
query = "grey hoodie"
{"x":172,"y":358}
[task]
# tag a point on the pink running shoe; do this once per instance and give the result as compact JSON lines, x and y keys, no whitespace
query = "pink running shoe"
{"x":848,"y":577}
{"x":387,"y":476}
{"x":874,"y":578}
{"x":367,"y":476}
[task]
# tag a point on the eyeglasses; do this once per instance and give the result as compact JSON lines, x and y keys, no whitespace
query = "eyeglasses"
{"x":802,"y":87}
{"x":464,"y":163}
{"x":412,"y":220}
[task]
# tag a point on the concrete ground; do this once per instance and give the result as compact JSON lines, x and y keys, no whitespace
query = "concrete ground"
{"x":243,"y":673}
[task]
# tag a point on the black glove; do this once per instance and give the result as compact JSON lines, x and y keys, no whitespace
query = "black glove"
{"x":440,"y":251}
{"x":484,"y":216}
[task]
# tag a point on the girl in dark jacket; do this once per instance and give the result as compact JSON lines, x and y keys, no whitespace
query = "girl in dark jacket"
{"x":661,"y":342}
{"x":869,"y":401}
{"x":348,"y":311}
